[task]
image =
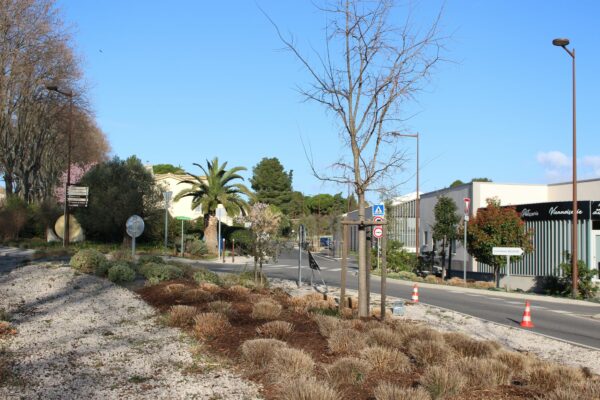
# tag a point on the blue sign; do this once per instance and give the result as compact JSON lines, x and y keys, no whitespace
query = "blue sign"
{"x":378,"y":210}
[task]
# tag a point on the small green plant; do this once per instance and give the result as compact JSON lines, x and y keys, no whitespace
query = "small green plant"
{"x":407,"y":275}
{"x":586,"y":287}
{"x":88,"y":261}
{"x":121,"y":272}
{"x":160,"y":272}
{"x":203,"y":275}
{"x":196,"y":247}
{"x":145,"y":259}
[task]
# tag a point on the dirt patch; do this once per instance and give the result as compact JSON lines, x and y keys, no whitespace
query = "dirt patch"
{"x":305,"y":336}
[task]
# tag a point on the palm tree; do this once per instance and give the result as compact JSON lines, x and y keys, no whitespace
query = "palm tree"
{"x":215,"y":188}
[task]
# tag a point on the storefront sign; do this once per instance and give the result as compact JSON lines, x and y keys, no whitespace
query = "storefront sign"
{"x":559,"y":211}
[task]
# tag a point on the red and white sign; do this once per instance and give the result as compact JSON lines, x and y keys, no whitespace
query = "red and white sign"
{"x":467,"y":204}
{"x":377,"y":219}
{"x":378,"y":231}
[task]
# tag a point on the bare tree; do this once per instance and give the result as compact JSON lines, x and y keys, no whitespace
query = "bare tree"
{"x":369,"y":69}
{"x":36,"y":50}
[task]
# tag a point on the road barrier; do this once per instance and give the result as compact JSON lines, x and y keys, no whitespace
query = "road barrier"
{"x":415,"y":294}
{"x":526,"y":322}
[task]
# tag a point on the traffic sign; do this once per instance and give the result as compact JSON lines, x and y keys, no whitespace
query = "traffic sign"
{"x":377,"y":219}
{"x":378,"y":210}
{"x":507,"y":251}
{"x":467,"y":204}
{"x":378,"y":231}
{"x":134,"y":226}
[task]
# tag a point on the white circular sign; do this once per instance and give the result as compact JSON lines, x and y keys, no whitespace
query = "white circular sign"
{"x":378,"y":231}
{"x":377,"y":219}
{"x":134,"y":226}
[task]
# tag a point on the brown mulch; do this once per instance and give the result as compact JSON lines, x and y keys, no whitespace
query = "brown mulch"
{"x":305,"y":336}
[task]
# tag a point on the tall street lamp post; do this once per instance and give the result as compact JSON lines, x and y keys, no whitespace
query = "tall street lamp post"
{"x":417,"y":201}
{"x":575,"y":276}
{"x":68,"y":94}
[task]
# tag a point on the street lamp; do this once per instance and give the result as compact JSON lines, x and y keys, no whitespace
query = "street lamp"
{"x":69,"y":94}
{"x":167,"y":196}
{"x":417,"y":201}
{"x":575,"y":276}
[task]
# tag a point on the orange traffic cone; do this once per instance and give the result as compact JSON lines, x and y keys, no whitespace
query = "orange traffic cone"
{"x":415,"y":294}
{"x":526,"y":322}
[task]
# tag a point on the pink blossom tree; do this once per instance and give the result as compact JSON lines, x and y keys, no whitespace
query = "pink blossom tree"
{"x":77,"y":172}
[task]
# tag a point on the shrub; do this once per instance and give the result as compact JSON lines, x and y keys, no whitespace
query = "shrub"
{"x":307,"y":388}
{"x":121,"y":272}
{"x":156,"y":273}
{"x":223,"y":307}
{"x":455,"y":282}
{"x":388,"y":391}
{"x":427,"y":352}
{"x":145,"y":259}
{"x":196,"y":294}
{"x":260,"y":352}
{"x":385,"y":337}
{"x":196,"y":247}
{"x":210,"y":287}
{"x":432,"y":279}
{"x":288,"y":363}
{"x":120,"y":255}
{"x":88,"y":260}
{"x":386,"y":361}
{"x":486,"y":373}
{"x":328,"y":324}
{"x":266,"y":309}
{"x":440,"y":381}
{"x":275,"y":329}
{"x":515,"y":361}
{"x":209,"y":325}
{"x":468,"y":347}
{"x":346,"y":341}
{"x":348,"y":371}
{"x":181,"y":315}
{"x":203,"y":275}
{"x":483,"y":285}
{"x":175,"y":288}
{"x":407,"y":275}
{"x":239,"y":290}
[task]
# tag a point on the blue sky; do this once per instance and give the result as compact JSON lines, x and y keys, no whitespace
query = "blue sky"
{"x":183,"y":81}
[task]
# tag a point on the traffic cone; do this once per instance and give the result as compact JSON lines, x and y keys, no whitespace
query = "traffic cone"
{"x":526,"y":322}
{"x":415,"y":294}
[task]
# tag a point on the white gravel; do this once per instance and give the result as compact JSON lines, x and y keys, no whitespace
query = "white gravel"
{"x":82,"y":337}
{"x":512,"y":338}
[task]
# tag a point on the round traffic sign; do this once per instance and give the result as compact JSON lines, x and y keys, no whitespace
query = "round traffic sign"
{"x":377,"y":219}
{"x":134,"y":226}
{"x":378,"y":231}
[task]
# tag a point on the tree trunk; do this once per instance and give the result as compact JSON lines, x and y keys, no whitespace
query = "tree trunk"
{"x":449,"y":256}
{"x":210,"y":235}
{"x":497,"y":276}
{"x":444,"y":258}
{"x":8,"y":184}
{"x":363,"y":301}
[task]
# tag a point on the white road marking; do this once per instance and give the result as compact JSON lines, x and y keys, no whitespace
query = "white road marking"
{"x":515,"y":302}
{"x":561,"y":311}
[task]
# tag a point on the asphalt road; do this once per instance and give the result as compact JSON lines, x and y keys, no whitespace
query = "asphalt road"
{"x":570,"y":322}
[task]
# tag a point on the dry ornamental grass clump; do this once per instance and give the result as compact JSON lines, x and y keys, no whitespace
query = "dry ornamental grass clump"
{"x":348,"y":371}
{"x":385,"y":337}
{"x":260,"y":352}
{"x":328,"y":324}
{"x":288,"y":363}
{"x":486,"y":373}
{"x":219,"y":306}
{"x":385,"y":360}
{"x":566,"y":393}
{"x":174,"y":288}
{"x":275,"y":329}
{"x":441,"y":382}
{"x":239,"y":291}
{"x":209,"y":325}
{"x":376,"y":312}
{"x":517,"y":362}
{"x":389,"y":391}
{"x":307,"y":388}
{"x":346,"y":341}
{"x":266,"y":309}
{"x":194,"y":295}
{"x":181,"y":315}
{"x":210,"y":287}
{"x":427,"y":352}
{"x":468,"y":347}
{"x":547,"y":377}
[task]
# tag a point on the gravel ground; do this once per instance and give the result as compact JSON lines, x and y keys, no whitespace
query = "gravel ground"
{"x":81,"y":337}
{"x":447,"y":320}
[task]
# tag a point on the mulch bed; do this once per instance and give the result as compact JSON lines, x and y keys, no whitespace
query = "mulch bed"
{"x":305,"y":336}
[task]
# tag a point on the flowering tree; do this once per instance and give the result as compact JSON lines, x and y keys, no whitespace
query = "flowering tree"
{"x":264,"y":223}
{"x":77,"y":172}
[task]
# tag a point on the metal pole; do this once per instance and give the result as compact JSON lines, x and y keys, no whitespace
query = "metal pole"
{"x":133,"y":247}
{"x":507,"y":273}
{"x":181,"y":238}
{"x":383,"y":273}
{"x":378,"y":252}
{"x":219,"y":241}
{"x":465,"y":250}
{"x":418,"y":204}
{"x":575,"y":276}
{"x":66,"y":237}
{"x":166,"y":222}
{"x":300,"y":234}
{"x":345,"y":243}
{"x":223,"y":249}
{"x":232,"y":250}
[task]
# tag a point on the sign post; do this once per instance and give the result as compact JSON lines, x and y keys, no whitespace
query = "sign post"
{"x":134,"y":227}
{"x":467,"y":204}
{"x":167,"y":197}
{"x":507,"y":251}
{"x":378,"y":233}
{"x":182,"y":219}
{"x":301,"y":234}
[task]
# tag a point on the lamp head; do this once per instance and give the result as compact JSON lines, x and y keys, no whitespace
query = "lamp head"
{"x":561,"y":42}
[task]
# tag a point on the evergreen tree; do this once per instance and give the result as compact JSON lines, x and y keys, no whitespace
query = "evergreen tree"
{"x":444,"y":228}
{"x":272,"y":184}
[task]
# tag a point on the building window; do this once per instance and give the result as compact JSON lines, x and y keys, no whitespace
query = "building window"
{"x":596,"y":225}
